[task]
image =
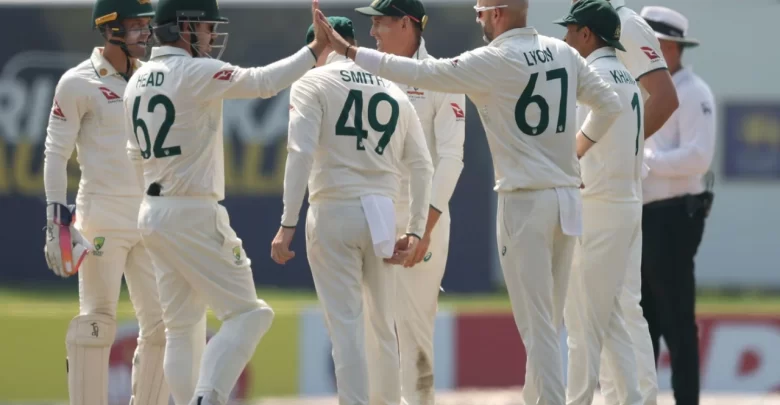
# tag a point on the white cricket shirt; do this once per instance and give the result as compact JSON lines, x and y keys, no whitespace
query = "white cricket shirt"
{"x":349,"y":134}
{"x":643,"y":52}
{"x":443,"y":118}
{"x":681,"y":152}
{"x":87,"y":114}
{"x":612,"y":168}
{"x":525,"y":87}
{"x":173,"y":110}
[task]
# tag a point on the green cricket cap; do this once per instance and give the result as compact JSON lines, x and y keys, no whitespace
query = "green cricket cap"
{"x":413,"y":9}
{"x":342,"y":25}
{"x":599,"y":16}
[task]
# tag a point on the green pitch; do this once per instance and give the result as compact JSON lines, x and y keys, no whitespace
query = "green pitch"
{"x":34,"y":325}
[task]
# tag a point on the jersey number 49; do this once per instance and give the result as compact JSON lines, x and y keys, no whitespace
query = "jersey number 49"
{"x":355,"y":99}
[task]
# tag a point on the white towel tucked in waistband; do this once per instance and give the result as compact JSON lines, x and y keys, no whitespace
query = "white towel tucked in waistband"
{"x":380,"y":213}
{"x":570,"y":203}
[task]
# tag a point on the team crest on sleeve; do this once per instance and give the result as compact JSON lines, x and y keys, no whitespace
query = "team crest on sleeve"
{"x":459,"y":114}
{"x":650,"y":52}
{"x":56,"y":111}
{"x":110,"y":95}
{"x":225,"y":75}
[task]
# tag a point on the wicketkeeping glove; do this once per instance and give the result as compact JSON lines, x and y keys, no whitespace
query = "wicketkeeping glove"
{"x":65,"y":247}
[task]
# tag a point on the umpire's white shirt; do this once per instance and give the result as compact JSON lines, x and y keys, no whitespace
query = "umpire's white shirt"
{"x":443,"y":119}
{"x":87,"y":113}
{"x":612,"y":168}
{"x":680,"y":153}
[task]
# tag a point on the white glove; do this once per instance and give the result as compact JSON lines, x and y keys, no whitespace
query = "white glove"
{"x":65,"y":247}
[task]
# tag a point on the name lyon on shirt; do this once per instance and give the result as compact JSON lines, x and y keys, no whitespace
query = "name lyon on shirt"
{"x":538,"y":56}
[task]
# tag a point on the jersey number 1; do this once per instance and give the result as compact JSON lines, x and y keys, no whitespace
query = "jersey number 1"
{"x":355,"y":97}
{"x":528,"y":97}
{"x":170,"y":116}
{"x":635,"y":106}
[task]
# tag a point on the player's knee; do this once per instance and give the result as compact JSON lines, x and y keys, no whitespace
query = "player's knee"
{"x":249,"y":327}
{"x":152,"y":334}
{"x":91,"y":330}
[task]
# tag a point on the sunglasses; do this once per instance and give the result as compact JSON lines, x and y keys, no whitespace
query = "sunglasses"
{"x":479,"y":9}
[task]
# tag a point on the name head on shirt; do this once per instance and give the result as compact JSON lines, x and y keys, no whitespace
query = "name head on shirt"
{"x":537,"y":57}
{"x":622,"y":77}
{"x":352,"y":76}
{"x":151,"y":79}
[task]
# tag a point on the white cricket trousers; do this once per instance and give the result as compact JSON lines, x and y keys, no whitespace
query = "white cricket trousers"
{"x":93,"y":331}
{"x":593,"y":315}
{"x":417,"y":298}
{"x":536,"y":260}
{"x":345,"y":269}
{"x":200,"y":261}
{"x":630,"y":296}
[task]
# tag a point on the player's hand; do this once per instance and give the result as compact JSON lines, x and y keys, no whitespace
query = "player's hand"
{"x":338,"y":43}
{"x":321,"y":40}
{"x":404,"y":252}
{"x":65,"y":247}
{"x":422,"y":249}
{"x":280,"y":247}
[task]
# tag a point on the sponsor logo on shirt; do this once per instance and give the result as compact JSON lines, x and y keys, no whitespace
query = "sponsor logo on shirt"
{"x":650,"y":53}
{"x":459,"y":114}
{"x":57,"y":111}
{"x":225,"y":75}
{"x":110,"y":95}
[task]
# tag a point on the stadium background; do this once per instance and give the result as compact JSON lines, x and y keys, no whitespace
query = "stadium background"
{"x":477,"y":346}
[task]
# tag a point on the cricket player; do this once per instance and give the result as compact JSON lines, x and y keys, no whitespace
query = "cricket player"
{"x":350,"y":225}
{"x":525,"y":87}
{"x":612,"y":216}
{"x":87,"y":113}
{"x":645,"y":62}
{"x":397,"y":26}
{"x":173,"y":108}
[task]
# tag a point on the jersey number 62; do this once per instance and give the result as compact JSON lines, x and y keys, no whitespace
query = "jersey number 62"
{"x":170,"y":115}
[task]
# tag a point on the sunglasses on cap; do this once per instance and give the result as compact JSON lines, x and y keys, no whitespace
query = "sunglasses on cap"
{"x":480,"y":9}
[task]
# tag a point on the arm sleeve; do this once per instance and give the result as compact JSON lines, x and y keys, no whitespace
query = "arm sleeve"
{"x":604,"y":103}
{"x":449,"y":129}
{"x":417,"y":158}
{"x":132,"y":148}
{"x":214,"y":79}
{"x":697,"y":139}
{"x":67,"y":110}
{"x":471,"y":72}
{"x":302,"y":141}
{"x":643,"y":52}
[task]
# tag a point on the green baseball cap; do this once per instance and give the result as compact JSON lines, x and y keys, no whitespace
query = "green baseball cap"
{"x":342,"y":25}
{"x":413,"y":9}
{"x":599,"y":16}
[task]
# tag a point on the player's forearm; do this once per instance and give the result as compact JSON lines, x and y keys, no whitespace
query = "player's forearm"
{"x":583,"y":144}
{"x":445,"y":178}
{"x":55,"y":178}
{"x":433,"y":218}
{"x":296,"y":176}
{"x":420,"y":179}
{"x":273,"y":78}
{"x":408,"y":71}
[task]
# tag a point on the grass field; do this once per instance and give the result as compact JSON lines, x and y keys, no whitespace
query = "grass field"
{"x":35,"y":322}
{"x":43,"y":303}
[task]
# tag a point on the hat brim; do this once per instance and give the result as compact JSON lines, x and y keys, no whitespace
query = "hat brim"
{"x":687,"y":42}
{"x":568,"y":20}
{"x":615,"y":44}
{"x":370,"y":11}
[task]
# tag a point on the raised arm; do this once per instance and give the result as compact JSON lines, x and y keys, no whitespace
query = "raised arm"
{"x":449,"y":130}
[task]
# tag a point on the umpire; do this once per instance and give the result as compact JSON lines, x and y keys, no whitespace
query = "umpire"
{"x":676,"y":203}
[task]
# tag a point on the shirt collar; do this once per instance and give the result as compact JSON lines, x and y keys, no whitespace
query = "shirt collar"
{"x":422,"y":52}
{"x":511,"y":34}
{"x":602,"y":52}
{"x":618,"y":3}
{"x":102,"y":66}
{"x":167,"y":50}
{"x":334,"y":57}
